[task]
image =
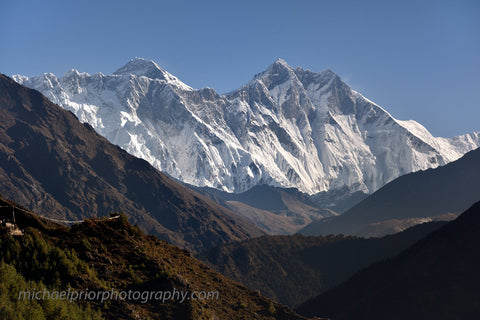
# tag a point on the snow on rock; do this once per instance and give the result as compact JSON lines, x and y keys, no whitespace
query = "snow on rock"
{"x":287,"y":127}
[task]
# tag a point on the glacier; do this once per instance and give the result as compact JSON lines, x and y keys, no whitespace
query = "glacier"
{"x":287,"y":127}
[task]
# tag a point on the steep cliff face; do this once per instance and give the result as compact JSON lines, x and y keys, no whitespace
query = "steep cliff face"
{"x":52,"y":163}
{"x":286,"y":128}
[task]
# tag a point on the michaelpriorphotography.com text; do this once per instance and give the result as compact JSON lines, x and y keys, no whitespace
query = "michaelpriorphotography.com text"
{"x":123,"y":295}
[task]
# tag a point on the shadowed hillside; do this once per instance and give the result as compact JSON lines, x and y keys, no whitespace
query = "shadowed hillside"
{"x":57,"y":166}
{"x":105,"y":254}
{"x":431,"y":194}
{"x":292,"y":269}
{"x":437,"y":278}
{"x":274,"y":210}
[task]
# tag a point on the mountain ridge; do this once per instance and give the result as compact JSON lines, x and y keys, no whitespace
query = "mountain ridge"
{"x":107,"y":254}
{"x":286,"y":128}
{"x":274,"y":210}
{"x":52,"y":163}
{"x":292,"y":269}
{"x":436,"y":278}
{"x":433,"y":193}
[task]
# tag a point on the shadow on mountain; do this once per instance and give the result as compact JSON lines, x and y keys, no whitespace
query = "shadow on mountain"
{"x":436,"y":278}
{"x":57,"y":166}
{"x":293,"y":269}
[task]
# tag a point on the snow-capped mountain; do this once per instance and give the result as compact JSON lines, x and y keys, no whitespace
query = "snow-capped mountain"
{"x":287,"y":128}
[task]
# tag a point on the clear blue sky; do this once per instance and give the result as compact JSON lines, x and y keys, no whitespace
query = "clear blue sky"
{"x":418,"y":59}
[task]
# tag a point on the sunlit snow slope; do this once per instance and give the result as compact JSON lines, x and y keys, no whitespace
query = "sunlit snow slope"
{"x":287,"y":128}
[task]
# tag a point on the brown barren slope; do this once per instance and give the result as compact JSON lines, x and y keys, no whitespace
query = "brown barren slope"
{"x":57,"y":166}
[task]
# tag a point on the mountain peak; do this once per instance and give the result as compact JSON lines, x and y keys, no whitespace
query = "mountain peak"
{"x":281,"y":62}
{"x":140,"y":67}
{"x":148,"y":68}
{"x":279,"y":65}
{"x":43,"y":121}
{"x":314,"y":122}
{"x":276,"y":73}
{"x":328,"y":72}
{"x":74,"y":73}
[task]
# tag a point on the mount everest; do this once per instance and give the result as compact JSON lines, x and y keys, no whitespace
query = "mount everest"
{"x":287,"y":128}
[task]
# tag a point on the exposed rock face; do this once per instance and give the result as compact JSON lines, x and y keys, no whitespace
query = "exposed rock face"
{"x":52,"y":163}
{"x":286,"y":128}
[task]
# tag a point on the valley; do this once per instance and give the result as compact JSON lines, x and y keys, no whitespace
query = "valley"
{"x":293,"y":192}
